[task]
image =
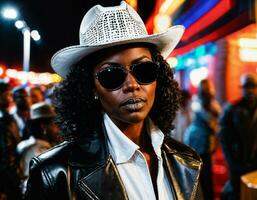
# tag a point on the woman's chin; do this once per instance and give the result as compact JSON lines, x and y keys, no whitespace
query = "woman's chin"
{"x":135,"y":117}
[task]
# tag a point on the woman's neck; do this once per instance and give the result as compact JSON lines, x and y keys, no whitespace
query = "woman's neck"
{"x":132,"y":131}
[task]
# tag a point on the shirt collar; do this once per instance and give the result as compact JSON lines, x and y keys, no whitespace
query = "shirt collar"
{"x":122,"y":148}
{"x":156,"y":136}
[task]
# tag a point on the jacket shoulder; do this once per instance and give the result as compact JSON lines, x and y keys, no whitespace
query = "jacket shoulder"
{"x":56,"y":154}
{"x":187,"y":155}
{"x":47,"y":172}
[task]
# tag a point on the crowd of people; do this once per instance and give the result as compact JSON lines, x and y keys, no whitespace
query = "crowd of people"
{"x":27,"y":129}
{"x":203,"y":124}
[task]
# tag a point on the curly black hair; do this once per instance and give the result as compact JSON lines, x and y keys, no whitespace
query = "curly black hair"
{"x":79,"y":113}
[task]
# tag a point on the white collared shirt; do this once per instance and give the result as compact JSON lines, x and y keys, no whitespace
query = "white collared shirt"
{"x":132,"y":165}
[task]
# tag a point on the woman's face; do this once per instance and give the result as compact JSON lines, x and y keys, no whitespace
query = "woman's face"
{"x":130,"y":103}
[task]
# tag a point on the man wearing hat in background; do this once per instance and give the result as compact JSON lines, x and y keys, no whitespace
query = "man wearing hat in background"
{"x":238,"y":135}
{"x":44,"y":135}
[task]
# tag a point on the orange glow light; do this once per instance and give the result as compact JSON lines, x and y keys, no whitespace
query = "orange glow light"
{"x":169,"y":7}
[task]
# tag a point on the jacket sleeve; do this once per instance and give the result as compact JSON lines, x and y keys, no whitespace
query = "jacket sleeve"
{"x":38,"y":185}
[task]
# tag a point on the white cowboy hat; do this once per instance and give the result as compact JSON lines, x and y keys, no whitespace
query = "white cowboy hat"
{"x":41,"y":110}
{"x":104,"y":27}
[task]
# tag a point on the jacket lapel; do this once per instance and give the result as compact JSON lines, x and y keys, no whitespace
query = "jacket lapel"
{"x":183,"y":168}
{"x":103,"y":183}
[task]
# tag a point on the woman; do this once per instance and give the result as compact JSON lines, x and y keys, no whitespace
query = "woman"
{"x":117,"y":100}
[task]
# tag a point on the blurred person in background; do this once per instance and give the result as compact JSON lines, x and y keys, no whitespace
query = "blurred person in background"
{"x":36,"y":94}
{"x":201,"y":135}
{"x":183,"y":117}
{"x":238,"y":136}
{"x":9,"y":138}
{"x":44,"y":135}
{"x":115,"y":106}
{"x":49,"y":93}
{"x":21,"y":111}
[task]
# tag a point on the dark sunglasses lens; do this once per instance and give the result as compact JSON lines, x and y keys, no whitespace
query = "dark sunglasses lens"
{"x":111,"y":78}
{"x":146,"y":72}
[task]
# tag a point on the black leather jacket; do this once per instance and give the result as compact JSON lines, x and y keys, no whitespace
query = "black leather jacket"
{"x":85,"y":170}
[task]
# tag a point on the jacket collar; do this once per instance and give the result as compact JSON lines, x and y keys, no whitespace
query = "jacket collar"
{"x":183,"y":166}
{"x":90,"y":151}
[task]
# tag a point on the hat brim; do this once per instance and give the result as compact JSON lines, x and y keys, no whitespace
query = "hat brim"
{"x":63,"y":60}
{"x":43,"y":116}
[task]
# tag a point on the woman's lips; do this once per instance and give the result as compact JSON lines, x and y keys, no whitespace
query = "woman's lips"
{"x":133,"y":104}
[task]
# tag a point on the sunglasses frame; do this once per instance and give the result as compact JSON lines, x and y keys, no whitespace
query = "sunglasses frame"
{"x":126,"y":72}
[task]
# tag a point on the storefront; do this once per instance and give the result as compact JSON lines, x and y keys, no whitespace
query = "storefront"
{"x":214,"y":44}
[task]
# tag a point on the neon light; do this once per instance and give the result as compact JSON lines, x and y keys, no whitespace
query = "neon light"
{"x":248,"y":54}
{"x":190,"y":62}
{"x":31,"y":77}
{"x":197,"y":11}
{"x":173,"y":61}
{"x":200,"y":51}
{"x":44,"y":78}
{"x":205,"y":60}
{"x":170,"y":6}
{"x":149,"y":23}
{"x":165,"y":6}
{"x":22,"y":76}
{"x":238,"y":22}
{"x":215,"y":13}
{"x":161,"y":23}
{"x":248,"y":42}
{"x":1,"y":71}
{"x":55,"y":78}
{"x":198,"y":74}
{"x":11,"y":73}
{"x":202,"y":56}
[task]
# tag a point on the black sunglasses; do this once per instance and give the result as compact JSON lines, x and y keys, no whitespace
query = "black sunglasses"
{"x":113,"y":76}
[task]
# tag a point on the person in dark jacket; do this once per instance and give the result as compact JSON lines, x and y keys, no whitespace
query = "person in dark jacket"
{"x":115,"y":107}
{"x":22,"y":109}
{"x":9,"y":138}
{"x":201,"y":135}
{"x":238,"y":136}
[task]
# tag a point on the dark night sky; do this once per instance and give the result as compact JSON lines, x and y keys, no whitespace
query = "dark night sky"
{"x":58,"y":23}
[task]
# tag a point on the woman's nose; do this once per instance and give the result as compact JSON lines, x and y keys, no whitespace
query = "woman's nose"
{"x":130,"y":83}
